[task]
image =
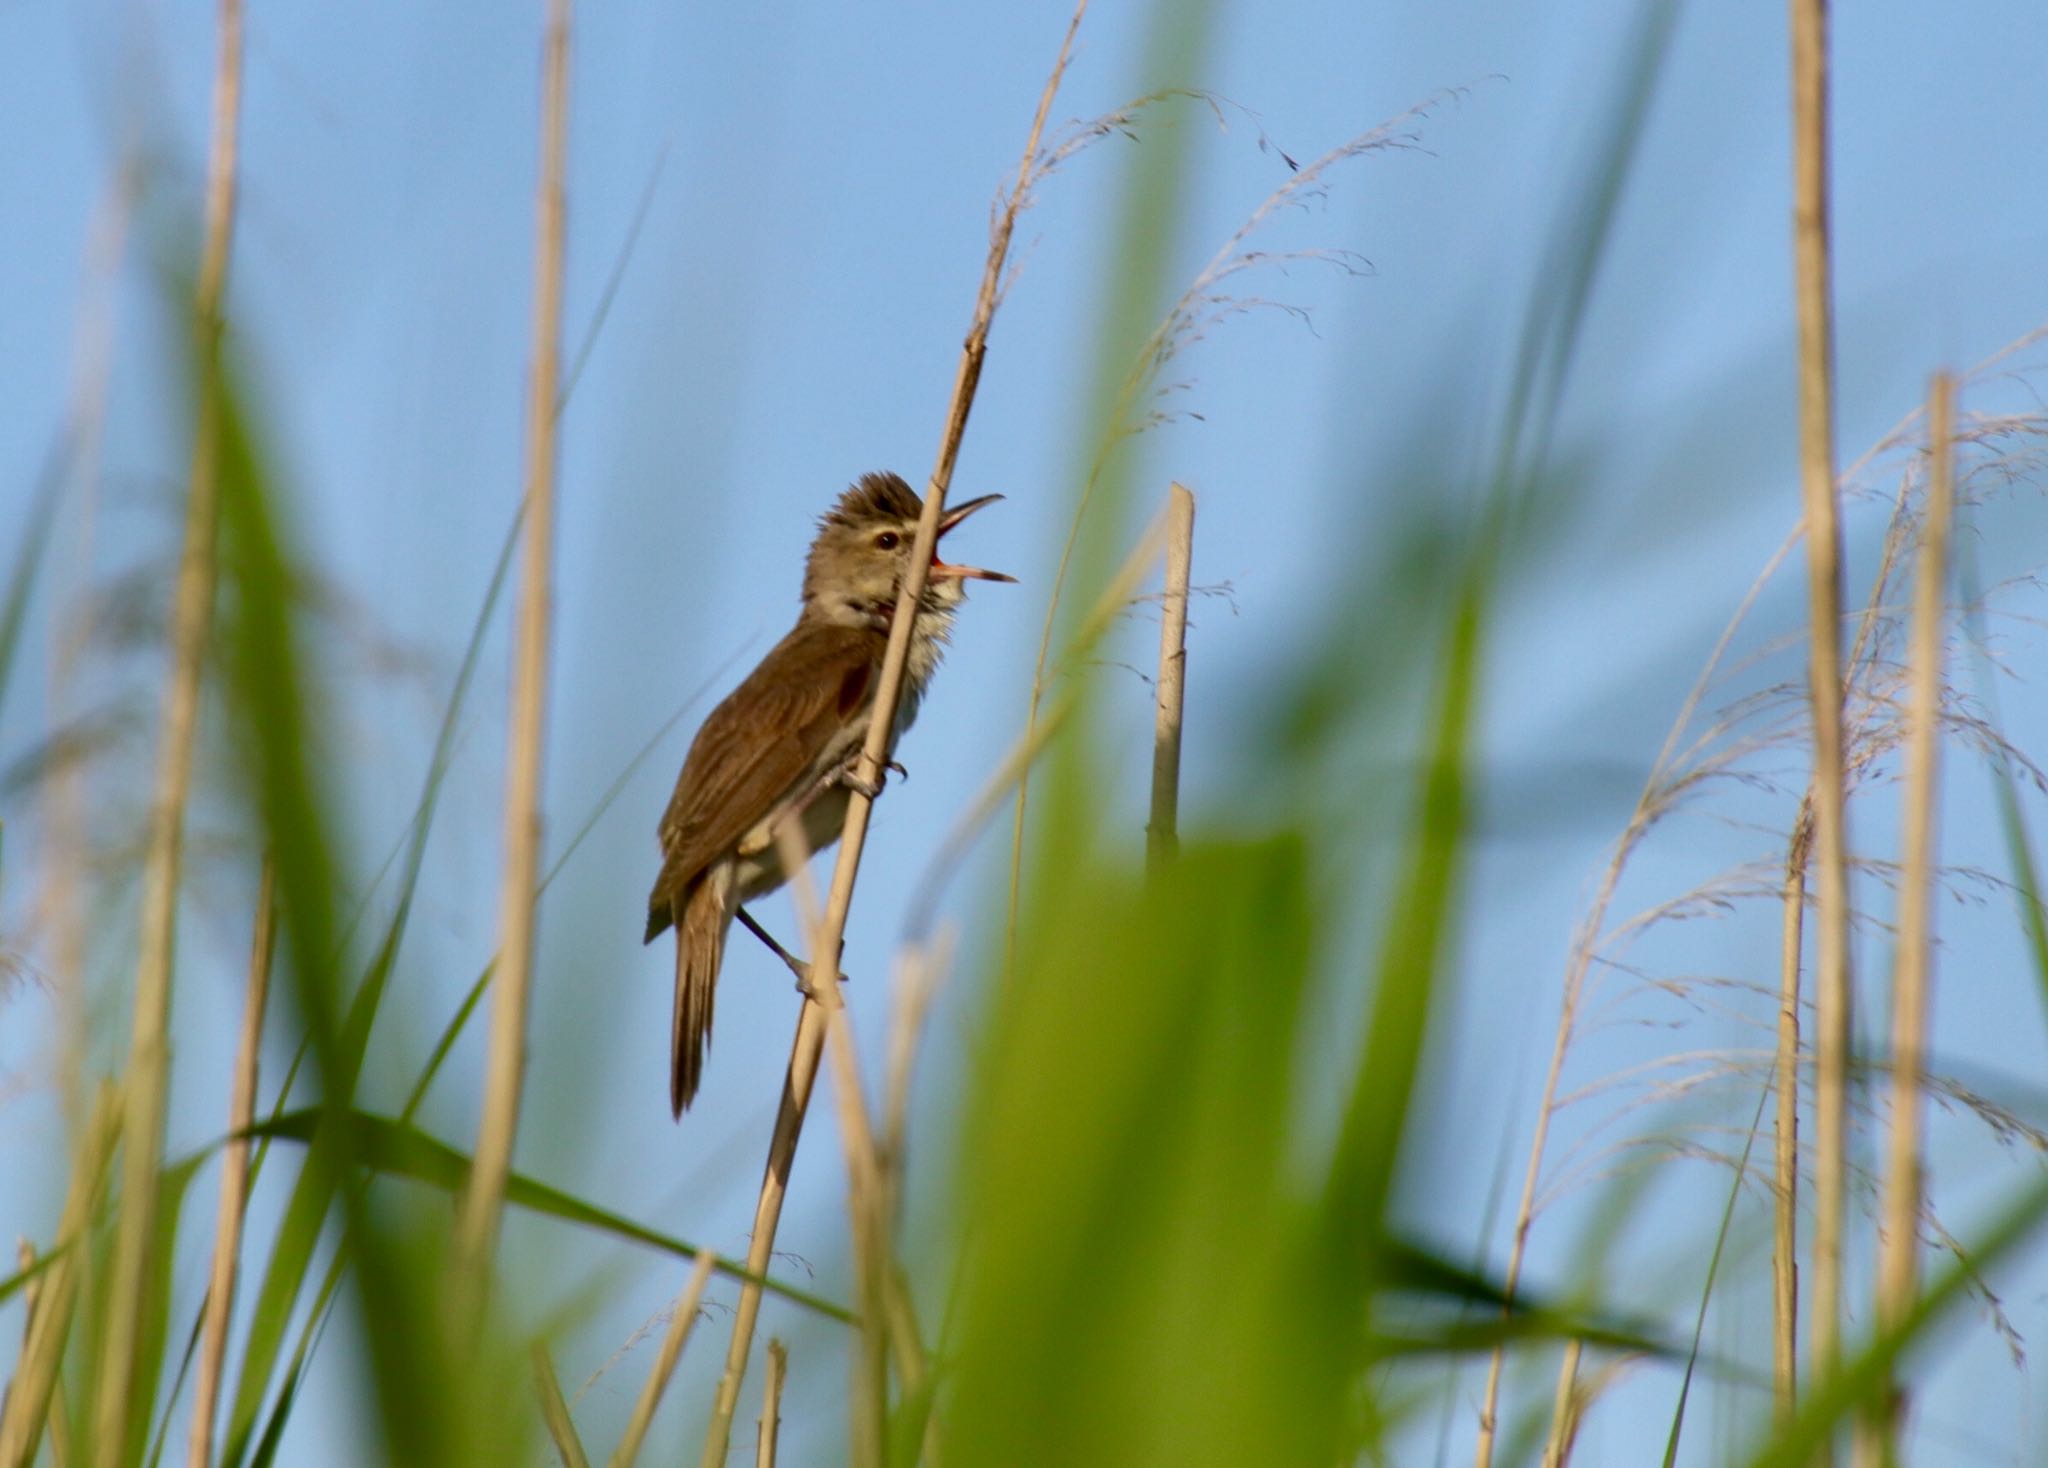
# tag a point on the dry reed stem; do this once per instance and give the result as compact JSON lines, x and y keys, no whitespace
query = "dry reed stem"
{"x":863,"y":1175}
{"x":1900,"y":1234}
{"x":555,"y":1412}
{"x":1564,"y":1416}
{"x":476,"y":1234}
{"x":146,"y":1088}
{"x":1162,"y":832}
{"x":65,"y":802}
{"x":1824,"y":675}
{"x":810,"y":1033}
{"x":672,"y":1342}
{"x":234,"y":1174}
{"x":60,"y":1445}
{"x":771,"y":1404}
{"x":42,"y":1351}
{"x":1031,"y":743}
{"x":1785,"y":1177}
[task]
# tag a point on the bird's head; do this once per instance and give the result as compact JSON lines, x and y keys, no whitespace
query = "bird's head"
{"x":863,"y":548}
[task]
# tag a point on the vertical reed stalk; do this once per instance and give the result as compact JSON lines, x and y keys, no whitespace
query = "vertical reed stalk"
{"x":65,"y":800}
{"x":1785,"y":1189}
{"x":771,"y":1404}
{"x":811,"y":1026}
{"x":32,"y":1292}
{"x":146,"y":1087}
{"x":672,"y":1342}
{"x":1898,"y":1248}
{"x":35,"y":1374}
{"x":1162,"y":832}
{"x":234,"y":1175}
{"x":1824,"y":598}
{"x":477,"y":1231}
{"x":873,"y":1272}
{"x":1564,"y":1408}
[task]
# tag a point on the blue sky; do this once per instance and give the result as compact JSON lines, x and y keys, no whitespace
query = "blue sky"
{"x":790,"y":318}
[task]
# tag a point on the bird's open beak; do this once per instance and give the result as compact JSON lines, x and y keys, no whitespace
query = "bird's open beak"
{"x":947,"y":521}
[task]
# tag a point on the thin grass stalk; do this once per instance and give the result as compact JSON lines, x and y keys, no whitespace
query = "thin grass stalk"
{"x":35,"y":1374}
{"x":60,"y":1437}
{"x":234,"y":1175}
{"x":477,"y":1232}
{"x":1899,"y":1241}
{"x":146,"y":1088}
{"x":1162,"y":832}
{"x":872,"y":1268}
{"x":1785,"y":1179}
{"x":555,"y":1412}
{"x":810,"y":1033}
{"x":1824,"y":677}
{"x":771,"y":1405}
{"x":1564,"y":1415}
{"x":66,"y":801}
{"x":672,"y":1342}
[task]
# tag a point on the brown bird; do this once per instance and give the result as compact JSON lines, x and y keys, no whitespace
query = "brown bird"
{"x":784,"y":743}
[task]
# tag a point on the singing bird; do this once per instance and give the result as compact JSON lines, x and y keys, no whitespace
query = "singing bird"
{"x":784,"y":743}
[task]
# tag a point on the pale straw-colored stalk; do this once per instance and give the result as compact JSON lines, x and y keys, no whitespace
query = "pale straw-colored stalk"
{"x":146,"y":1088}
{"x":672,"y":1342}
{"x":1900,"y":1234}
{"x":483,"y":1200}
{"x":1162,"y":832}
{"x":1564,"y":1423}
{"x":1824,"y":678}
{"x":34,"y":1386}
{"x":771,"y":1404}
{"x":810,"y":1035}
{"x":1785,"y":1175}
{"x":234,"y":1175}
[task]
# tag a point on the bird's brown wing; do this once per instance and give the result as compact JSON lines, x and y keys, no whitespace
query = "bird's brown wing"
{"x":804,"y":690}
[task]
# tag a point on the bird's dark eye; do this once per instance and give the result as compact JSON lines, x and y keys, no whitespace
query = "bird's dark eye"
{"x":887,"y":540}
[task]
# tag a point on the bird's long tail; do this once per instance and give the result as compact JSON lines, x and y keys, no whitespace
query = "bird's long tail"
{"x":700,"y":948}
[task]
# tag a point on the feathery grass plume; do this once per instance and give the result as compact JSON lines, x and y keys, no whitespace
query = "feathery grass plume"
{"x":1738,"y":745}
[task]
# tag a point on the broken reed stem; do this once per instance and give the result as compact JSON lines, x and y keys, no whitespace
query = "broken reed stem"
{"x":1824,"y":676}
{"x":1785,"y":1188}
{"x":476,"y":1233}
{"x":145,"y":1090}
{"x":810,"y":1032}
{"x":771,"y":1404}
{"x":1162,"y":832}
{"x":234,"y":1174}
{"x":672,"y":1342}
{"x":42,"y":1351}
{"x":555,"y":1412}
{"x":1899,"y":1240}
{"x":1564,"y":1414}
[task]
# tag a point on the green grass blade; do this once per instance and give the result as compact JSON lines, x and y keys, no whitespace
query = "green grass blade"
{"x":21,"y":579}
{"x":1699,"y":1325}
{"x":397,"y":1149}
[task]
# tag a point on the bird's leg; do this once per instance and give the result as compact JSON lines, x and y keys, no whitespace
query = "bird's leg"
{"x":797,"y":966}
{"x":848,"y":775}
